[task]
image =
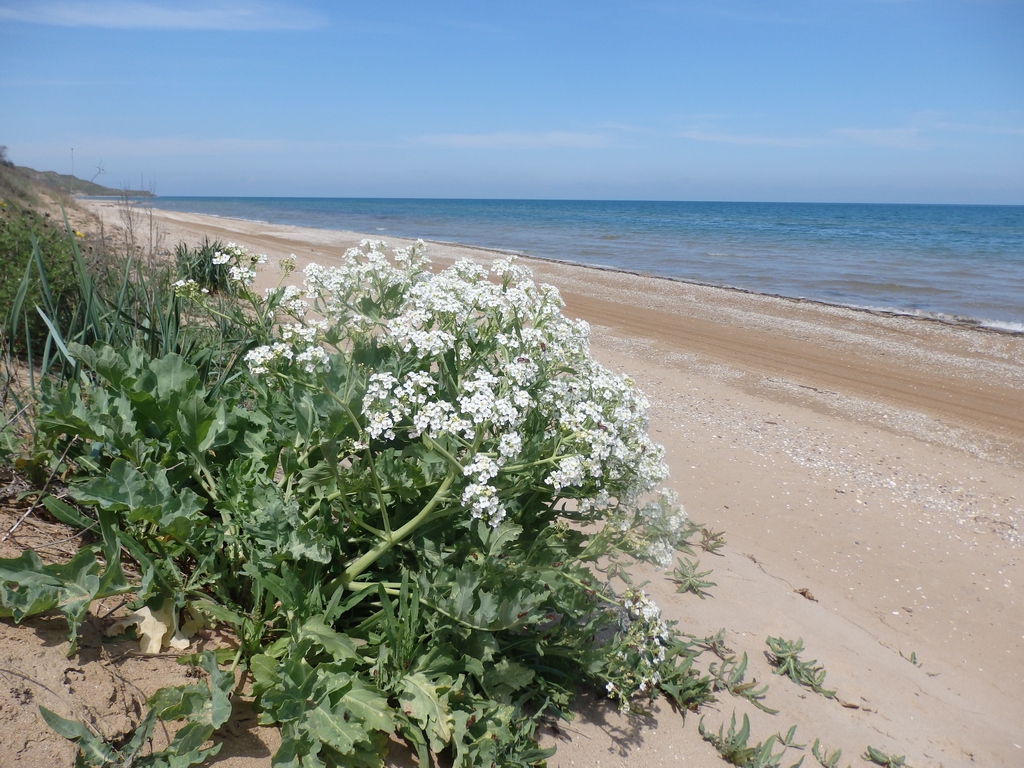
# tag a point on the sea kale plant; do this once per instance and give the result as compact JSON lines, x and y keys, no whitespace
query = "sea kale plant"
{"x":414,"y":506}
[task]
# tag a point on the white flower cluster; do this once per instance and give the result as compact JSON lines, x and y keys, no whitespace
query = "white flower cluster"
{"x":188,"y":289}
{"x":642,"y":642}
{"x":485,"y":364}
{"x":312,"y":358}
{"x":292,"y":299}
{"x":300,"y":344}
{"x":243,"y":263}
{"x":388,"y":401}
{"x":479,"y":496}
{"x":640,"y":608}
{"x":519,"y":357}
{"x":364,"y":278}
{"x":242,"y":275}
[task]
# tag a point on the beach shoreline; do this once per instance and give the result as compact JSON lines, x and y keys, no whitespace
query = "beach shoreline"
{"x":945,"y":317}
{"x":957,"y":321}
{"x":875,"y":461}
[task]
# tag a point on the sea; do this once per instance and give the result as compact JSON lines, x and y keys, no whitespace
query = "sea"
{"x":960,"y":263}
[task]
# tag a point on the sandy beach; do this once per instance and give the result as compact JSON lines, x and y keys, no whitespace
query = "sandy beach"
{"x":868,"y":472}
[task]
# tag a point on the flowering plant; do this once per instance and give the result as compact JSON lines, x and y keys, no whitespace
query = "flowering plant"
{"x":413,"y":510}
{"x":211,"y":266}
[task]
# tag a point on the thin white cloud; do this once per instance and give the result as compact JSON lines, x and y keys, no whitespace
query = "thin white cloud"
{"x":513,"y":140}
{"x":901,"y":138}
{"x":980,"y":128}
{"x":225,"y":15}
{"x":748,"y":140}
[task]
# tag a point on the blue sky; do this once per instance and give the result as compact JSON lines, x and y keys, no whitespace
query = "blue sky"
{"x":809,"y":100}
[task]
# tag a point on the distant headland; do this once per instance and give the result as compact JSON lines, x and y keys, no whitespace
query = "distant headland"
{"x":68,"y":184}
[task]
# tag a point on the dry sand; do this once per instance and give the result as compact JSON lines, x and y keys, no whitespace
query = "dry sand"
{"x":874,"y":462}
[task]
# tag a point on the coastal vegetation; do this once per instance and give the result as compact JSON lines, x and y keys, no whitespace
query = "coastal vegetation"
{"x":31,"y":241}
{"x":400,"y":540}
{"x":39,"y":255}
{"x":390,"y":503}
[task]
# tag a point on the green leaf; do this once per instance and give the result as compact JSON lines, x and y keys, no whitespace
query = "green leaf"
{"x":496,"y":539}
{"x":181,"y":702}
{"x":67,"y":514}
{"x":218,"y":612}
{"x":107,"y":363}
{"x":307,"y":543}
{"x":264,"y":673}
{"x":34,"y":591}
{"x":487,"y":610}
{"x":427,"y":704}
{"x":123,"y":488}
{"x":160,"y":576}
{"x":201,"y":427}
{"x":175,"y":377}
{"x":287,"y":587}
{"x":509,"y":675}
{"x":297,"y":750}
{"x":305,"y":418}
{"x":338,"y":645}
{"x":286,"y":690}
{"x":333,"y":729}
{"x":180,"y":515}
{"x":93,"y":748}
{"x":184,"y":748}
{"x":143,"y":733}
{"x":464,"y":593}
{"x":69,"y":729}
{"x":368,"y":706}
{"x":320,"y":479}
{"x":113,"y":580}
{"x":28,"y":588}
{"x":80,"y":584}
{"x":56,"y":336}
{"x":221,"y":683}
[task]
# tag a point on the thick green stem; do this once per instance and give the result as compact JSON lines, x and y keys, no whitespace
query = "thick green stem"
{"x":365,"y":561}
{"x":537,"y":463}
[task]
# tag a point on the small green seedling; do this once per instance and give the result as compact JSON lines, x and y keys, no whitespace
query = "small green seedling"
{"x":689,"y":579}
{"x":878,"y":757}
{"x":789,"y":740}
{"x":785,"y":657}
{"x":912,"y":658}
{"x":733,"y":747}
{"x":205,"y":707}
{"x":728,"y":676}
{"x":826,"y":758}
{"x":716,"y":644}
{"x":711,"y":541}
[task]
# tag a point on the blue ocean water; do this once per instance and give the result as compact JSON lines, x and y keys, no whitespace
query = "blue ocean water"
{"x":936,"y":260}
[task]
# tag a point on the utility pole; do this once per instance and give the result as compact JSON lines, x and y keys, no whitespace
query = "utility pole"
{"x":71,"y":183}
